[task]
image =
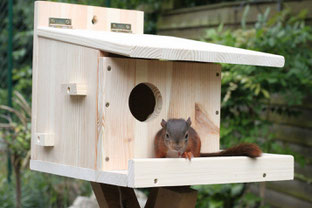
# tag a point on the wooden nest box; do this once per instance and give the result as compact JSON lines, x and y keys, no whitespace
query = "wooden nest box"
{"x":101,"y":88}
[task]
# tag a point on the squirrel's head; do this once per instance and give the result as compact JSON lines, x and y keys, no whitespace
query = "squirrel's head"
{"x":176,"y":134}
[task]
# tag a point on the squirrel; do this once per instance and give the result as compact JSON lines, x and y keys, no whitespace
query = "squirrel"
{"x":177,"y":138}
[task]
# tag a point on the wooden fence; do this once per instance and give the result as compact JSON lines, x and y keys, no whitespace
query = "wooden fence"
{"x":294,"y":132}
{"x":193,"y":22}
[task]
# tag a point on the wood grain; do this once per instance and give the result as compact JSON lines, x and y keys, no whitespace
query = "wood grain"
{"x":115,"y":135}
{"x":161,"y":47}
{"x":44,"y":139}
{"x":82,"y":15}
{"x":180,"y":172}
{"x":194,"y":22}
{"x":180,"y":85}
{"x":71,"y":119}
{"x":281,"y":200}
{"x":118,"y":178}
{"x":75,"y":89}
{"x":216,"y":170}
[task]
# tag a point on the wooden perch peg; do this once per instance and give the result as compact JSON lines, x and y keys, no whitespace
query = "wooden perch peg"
{"x":44,"y":139}
{"x":75,"y":89}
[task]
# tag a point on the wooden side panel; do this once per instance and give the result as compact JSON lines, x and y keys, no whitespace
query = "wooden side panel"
{"x":71,"y":119}
{"x":186,"y":89}
{"x":82,"y":16}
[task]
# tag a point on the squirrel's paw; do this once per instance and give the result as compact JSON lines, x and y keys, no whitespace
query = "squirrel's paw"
{"x":187,"y":155}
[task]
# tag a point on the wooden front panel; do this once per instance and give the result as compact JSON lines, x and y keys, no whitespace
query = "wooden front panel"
{"x":71,"y":120}
{"x":186,"y":89}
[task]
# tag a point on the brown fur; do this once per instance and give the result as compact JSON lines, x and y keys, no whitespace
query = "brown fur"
{"x":246,"y":149}
{"x":192,"y":146}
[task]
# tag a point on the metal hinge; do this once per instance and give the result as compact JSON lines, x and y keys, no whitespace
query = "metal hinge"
{"x":120,"y":27}
{"x":60,"y":22}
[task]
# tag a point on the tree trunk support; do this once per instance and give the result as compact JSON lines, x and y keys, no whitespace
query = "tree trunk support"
{"x":109,"y":196}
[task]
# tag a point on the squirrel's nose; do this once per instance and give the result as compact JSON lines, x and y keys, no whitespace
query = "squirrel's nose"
{"x":177,"y":147}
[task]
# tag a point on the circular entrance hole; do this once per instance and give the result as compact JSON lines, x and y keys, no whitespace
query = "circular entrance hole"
{"x":145,"y":102}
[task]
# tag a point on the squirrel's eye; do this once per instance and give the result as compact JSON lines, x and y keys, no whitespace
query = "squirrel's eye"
{"x":167,"y":136}
{"x":186,"y":136}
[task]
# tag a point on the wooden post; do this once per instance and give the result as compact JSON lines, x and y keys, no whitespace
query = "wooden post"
{"x":109,"y":196}
{"x":172,"y":197}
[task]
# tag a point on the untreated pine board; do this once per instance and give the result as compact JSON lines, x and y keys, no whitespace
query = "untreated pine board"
{"x":88,"y":17}
{"x":44,"y":139}
{"x":118,"y":178}
{"x":216,"y":170}
{"x":161,"y":47}
{"x":154,"y":172}
{"x":75,"y":89}
{"x":71,"y":119}
{"x":172,"y":81}
{"x":115,"y":132}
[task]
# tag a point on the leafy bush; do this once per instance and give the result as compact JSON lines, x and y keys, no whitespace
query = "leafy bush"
{"x":247,"y":91}
{"x":43,"y":190}
{"x":30,"y":185}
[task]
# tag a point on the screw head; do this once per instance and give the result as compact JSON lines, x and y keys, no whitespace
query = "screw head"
{"x":106,"y":159}
{"x":107,"y":104}
{"x":217,"y":74}
{"x":94,"y":20}
{"x":109,"y":68}
{"x":217,"y":112}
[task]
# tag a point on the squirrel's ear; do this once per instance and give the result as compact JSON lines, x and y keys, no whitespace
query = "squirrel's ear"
{"x":188,"y":121}
{"x":163,"y":123}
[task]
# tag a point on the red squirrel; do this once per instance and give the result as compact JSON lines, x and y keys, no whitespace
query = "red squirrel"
{"x":177,"y":138}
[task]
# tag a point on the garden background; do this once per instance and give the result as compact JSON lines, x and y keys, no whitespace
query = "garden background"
{"x":269,"y":106}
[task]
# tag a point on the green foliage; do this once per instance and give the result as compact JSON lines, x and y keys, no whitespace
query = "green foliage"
{"x":231,"y":196}
{"x":22,"y":46}
{"x":246,"y":98}
{"x":247,"y":92}
{"x":43,"y":190}
{"x":15,"y":132}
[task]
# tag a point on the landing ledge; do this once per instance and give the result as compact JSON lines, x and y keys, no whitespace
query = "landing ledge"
{"x":152,"y":172}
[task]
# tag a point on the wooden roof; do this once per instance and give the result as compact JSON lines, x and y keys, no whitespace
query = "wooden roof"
{"x":161,"y":47}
